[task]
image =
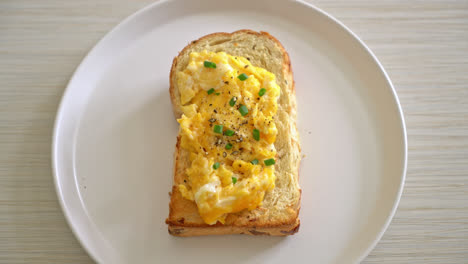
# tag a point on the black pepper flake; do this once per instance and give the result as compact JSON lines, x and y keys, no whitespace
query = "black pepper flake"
{"x":246,"y":66}
{"x":185,"y":180}
{"x":211,"y":104}
{"x":258,"y":98}
{"x":226,"y":82}
{"x":214,"y":110}
{"x":248,"y":58}
{"x":231,"y":77}
{"x":236,"y":58}
{"x":240,"y":165}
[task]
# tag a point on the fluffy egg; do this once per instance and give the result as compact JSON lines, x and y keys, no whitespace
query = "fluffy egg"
{"x":228,"y":127}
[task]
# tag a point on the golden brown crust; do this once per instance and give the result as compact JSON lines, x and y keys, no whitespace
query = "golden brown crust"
{"x":186,"y":231}
{"x":184,"y":219}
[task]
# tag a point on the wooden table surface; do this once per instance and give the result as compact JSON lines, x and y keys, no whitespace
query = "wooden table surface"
{"x":422,"y":44}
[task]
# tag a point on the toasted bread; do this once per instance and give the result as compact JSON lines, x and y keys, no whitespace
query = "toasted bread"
{"x":278,"y":215}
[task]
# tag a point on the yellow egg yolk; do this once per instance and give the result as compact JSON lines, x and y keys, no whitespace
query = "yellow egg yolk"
{"x":229,"y":129}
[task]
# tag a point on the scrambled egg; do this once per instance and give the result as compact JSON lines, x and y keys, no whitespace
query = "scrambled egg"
{"x":228,"y":127}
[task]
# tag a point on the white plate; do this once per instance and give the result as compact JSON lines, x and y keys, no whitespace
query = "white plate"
{"x":115,"y":135}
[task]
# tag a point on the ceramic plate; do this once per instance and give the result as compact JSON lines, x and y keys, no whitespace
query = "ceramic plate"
{"x":115,"y":135}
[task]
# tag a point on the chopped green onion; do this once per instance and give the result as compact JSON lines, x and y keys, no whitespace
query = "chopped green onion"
{"x":210,"y":91}
{"x":234,"y":180}
{"x":233,"y":101}
{"x":216,"y":165}
{"x":229,"y":132}
{"x":243,"y":77}
{"x":209,"y":64}
{"x":256,"y":134}
{"x":254,"y":162}
{"x":217,"y":93}
{"x":243,"y":110}
{"x":228,"y":146}
{"x":218,"y":129}
{"x":269,"y":162}
{"x":262,"y":92}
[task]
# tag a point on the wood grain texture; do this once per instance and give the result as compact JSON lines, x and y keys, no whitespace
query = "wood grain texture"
{"x":422,"y":44}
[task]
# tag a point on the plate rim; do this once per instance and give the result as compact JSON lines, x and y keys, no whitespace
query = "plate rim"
{"x":109,"y":34}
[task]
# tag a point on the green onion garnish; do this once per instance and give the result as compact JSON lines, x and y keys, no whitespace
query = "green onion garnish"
{"x":228,"y":146}
{"x":256,"y":134}
{"x":216,"y":165}
{"x":269,"y":162}
{"x":233,"y":101}
{"x":234,"y":180}
{"x":243,"y":110}
{"x":218,"y":129}
{"x":210,"y":91}
{"x":217,"y":93}
{"x":243,"y":77}
{"x":229,"y":132}
{"x":262,"y":92}
{"x":254,"y":162}
{"x":209,"y":64}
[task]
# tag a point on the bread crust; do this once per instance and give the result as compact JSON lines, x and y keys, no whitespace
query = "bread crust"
{"x":184,"y":219}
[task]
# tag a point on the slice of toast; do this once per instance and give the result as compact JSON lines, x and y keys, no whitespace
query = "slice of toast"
{"x":278,"y":215}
